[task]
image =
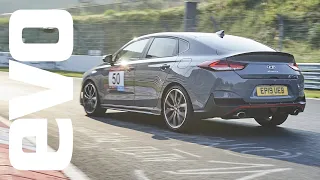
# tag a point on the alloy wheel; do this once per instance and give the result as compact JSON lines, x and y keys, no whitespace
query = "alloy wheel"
{"x":90,"y":98}
{"x":175,"y":108}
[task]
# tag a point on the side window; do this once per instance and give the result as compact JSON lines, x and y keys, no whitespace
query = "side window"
{"x":132,"y":51}
{"x":183,"y":46}
{"x":162,"y":47}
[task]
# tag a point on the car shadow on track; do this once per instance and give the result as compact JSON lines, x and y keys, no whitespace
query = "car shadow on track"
{"x":285,"y":144}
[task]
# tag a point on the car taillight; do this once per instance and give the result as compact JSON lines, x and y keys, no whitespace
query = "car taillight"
{"x":294,"y":66}
{"x":222,"y":65}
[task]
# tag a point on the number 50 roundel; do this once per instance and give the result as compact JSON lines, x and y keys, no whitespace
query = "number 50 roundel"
{"x":116,"y":80}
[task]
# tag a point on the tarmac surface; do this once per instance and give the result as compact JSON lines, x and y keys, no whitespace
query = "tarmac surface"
{"x":124,"y":145}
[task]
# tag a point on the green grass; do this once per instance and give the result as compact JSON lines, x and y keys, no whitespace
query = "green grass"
{"x":64,"y":73}
{"x":4,"y":69}
{"x":68,"y":73}
{"x":312,"y":93}
{"x":302,"y":52}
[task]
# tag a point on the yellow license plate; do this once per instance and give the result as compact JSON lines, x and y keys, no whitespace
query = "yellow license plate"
{"x":272,"y":91}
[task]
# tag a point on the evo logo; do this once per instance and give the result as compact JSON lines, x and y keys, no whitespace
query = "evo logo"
{"x":60,"y":90}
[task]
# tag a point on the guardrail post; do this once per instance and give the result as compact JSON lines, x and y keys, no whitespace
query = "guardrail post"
{"x":281,"y":31}
{"x":190,"y":16}
{"x":215,"y":24}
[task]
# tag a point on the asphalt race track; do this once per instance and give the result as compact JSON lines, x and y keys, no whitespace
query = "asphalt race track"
{"x":127,"y":146}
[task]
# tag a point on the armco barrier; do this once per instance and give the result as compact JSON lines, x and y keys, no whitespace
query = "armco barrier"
{"x":311,"y":71}
{"x":79,"y":63}
{"x":74,"y":63}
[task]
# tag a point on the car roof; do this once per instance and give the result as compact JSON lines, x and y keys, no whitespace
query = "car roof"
{"x":212,"y":40}
{"x":191,"y":35}
{"x":179,"y":34}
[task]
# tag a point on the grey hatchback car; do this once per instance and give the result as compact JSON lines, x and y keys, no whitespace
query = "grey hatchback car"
{"x":185,"y":76}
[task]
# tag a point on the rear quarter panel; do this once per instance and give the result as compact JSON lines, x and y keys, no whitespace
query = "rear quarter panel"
{"x":196,"y":81}
{"x":193,"y":79}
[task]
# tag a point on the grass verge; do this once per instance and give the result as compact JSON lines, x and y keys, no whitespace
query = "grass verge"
{"x":68,"y":73}
{"x":312,"y":93}
{"x":309,"y":93}
{"x":4,"y":69}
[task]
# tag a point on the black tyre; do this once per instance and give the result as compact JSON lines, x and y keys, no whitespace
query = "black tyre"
{"x":177,"y":109}
{"x":275,"y":120}
{"x":90,"y":100}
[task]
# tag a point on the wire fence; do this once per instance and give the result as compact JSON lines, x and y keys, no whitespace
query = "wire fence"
{"x":101,"y":6}
{"x":103,"y":37}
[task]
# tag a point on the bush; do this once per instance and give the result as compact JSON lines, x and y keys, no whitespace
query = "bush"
{"x":314,"y":36}
{"x":109,"y":12}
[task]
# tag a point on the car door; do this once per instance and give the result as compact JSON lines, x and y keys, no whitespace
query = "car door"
{"x":152,"y":70}
{"x":119,"y":78}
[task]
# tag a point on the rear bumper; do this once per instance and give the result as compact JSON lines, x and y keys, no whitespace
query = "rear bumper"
{"x":228,"y":108}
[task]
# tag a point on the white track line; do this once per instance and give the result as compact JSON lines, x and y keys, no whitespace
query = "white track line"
{"x":71,"y":171}
{"x":193,"y":155}
{"x":263,"y":173}
{"x":140,"y":175}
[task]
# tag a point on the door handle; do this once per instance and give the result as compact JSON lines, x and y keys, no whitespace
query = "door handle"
{"x":164,"y":67}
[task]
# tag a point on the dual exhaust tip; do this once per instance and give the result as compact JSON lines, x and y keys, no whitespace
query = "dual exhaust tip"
{"x":296,"y":112}
{"x":242,"y":114}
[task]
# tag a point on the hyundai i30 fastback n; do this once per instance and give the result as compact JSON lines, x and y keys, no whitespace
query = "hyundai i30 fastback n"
{"x":186,"y":76}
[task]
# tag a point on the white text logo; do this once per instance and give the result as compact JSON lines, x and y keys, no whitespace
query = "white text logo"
{"x":60,"y":90}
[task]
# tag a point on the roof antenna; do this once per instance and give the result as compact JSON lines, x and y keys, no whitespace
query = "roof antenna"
{"x":220,"y":33}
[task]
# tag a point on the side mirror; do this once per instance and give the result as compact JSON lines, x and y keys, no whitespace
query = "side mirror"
{"x":107,"y":58}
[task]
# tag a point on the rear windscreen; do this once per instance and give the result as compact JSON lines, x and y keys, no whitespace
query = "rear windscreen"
{"x":233,"y":43}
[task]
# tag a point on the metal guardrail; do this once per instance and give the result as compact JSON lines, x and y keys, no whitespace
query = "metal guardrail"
{"x":311,"y":72}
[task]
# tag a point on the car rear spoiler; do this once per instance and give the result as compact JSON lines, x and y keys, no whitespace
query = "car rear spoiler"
{"x":267,"y":56}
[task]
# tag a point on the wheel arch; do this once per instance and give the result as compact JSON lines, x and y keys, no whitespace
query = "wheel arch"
{"x":167,"y":87}
{"x":87,"y":81}
{"x":90,"y":79}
